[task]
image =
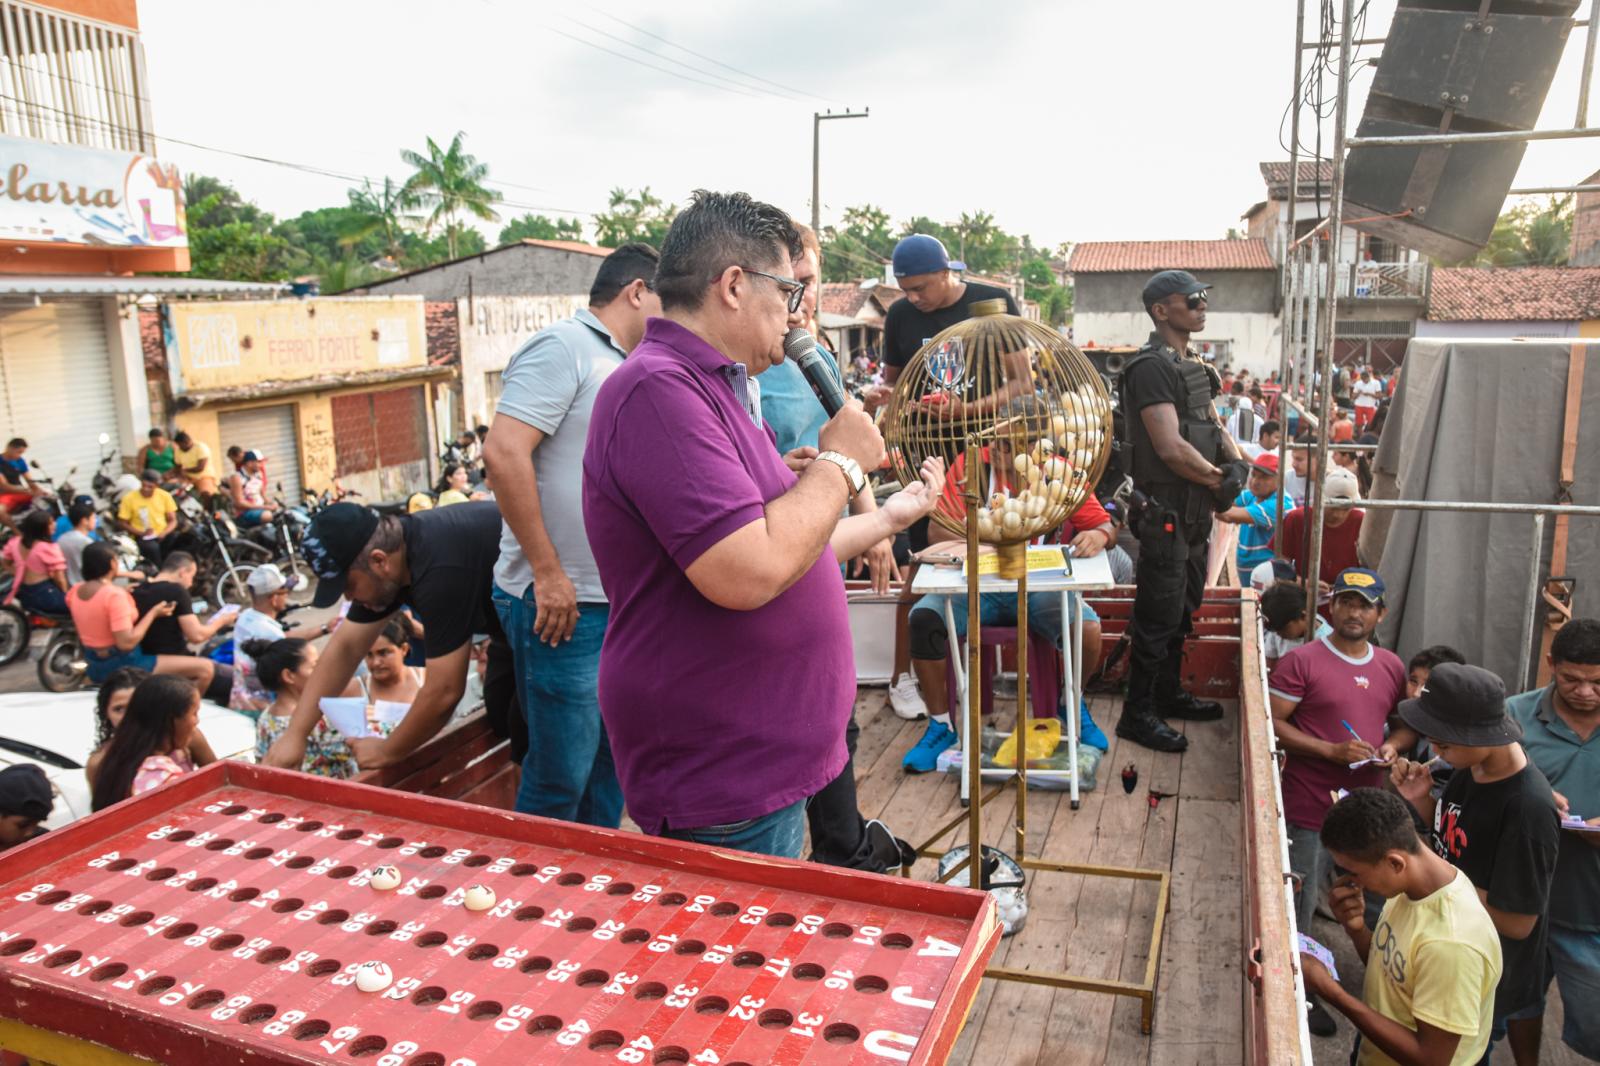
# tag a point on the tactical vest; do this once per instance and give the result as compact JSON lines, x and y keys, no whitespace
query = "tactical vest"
{"x":1197,"y":386}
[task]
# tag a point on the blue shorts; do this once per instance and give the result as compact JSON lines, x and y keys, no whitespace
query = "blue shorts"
{"x":252,"y":516}
{"x":101,"y":668}
{"x":1573,"y":961}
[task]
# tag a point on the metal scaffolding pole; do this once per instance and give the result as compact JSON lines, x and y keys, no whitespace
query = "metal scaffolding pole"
{"x":1330,"y":311}
{"x":1290,"y":254}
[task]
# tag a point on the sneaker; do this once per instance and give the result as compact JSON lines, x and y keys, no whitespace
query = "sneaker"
{"x":1318,"y":1020}
{"x":906,"y":699}
{"x":925,"y":755}
{"x":1088,"y":732}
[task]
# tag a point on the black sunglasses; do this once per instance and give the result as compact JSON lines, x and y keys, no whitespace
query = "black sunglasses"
{"x":795,"y":289}
{"x":1194,"y":300}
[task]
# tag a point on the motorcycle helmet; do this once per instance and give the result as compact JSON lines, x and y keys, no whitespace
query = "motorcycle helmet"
{"x":419,"y":501}
{"x":125,"y":484}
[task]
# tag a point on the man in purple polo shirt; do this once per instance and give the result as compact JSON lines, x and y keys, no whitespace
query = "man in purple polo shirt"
{"x":726,"y":676}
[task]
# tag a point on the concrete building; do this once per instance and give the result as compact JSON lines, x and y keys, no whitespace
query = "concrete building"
{"x":851,"y":313}
{"x":497,"y":300}
{"x":87,"y":204}
{"x":1242,"y":328}
{"x":1503,"y":302}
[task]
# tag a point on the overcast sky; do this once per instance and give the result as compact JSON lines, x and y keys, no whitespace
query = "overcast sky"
{"x":1069,"y":120}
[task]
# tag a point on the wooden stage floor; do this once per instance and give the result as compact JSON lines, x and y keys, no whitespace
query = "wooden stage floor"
{"x":1094,"y":926}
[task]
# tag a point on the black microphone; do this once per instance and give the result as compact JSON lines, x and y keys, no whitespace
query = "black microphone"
{"x":802,"y":348}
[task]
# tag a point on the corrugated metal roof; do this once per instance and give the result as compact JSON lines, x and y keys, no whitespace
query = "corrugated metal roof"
{"x":91,"y":285}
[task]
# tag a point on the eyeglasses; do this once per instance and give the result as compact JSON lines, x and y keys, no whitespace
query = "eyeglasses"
{"x":795,"y":289}
{"x":1196,"y":299}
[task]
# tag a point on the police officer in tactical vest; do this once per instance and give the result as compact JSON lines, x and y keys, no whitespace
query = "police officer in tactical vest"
{"x":1184,"y":465}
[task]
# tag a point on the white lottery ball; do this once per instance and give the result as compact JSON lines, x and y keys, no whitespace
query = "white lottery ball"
{"x":479,"y":898}
{"x":385,"y":878}
{"x":373,"y":977}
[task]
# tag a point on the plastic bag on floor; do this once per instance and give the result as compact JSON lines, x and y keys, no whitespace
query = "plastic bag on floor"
{"x":1088,"y":763}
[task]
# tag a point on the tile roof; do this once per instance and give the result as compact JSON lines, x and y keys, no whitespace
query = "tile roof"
{"x":848,"y":297}
{"x":569,"y":246}
{"x":1113,"y":257}
{"x":1514,"y":294}
{"x":1276,"y":174}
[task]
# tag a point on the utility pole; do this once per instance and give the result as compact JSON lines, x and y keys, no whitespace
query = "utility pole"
{"x":817,"y":119}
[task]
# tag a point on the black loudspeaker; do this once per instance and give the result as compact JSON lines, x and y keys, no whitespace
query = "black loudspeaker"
{"x":1450,"y":66}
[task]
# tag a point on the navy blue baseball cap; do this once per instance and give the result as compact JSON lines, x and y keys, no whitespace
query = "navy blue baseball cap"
{"x":1168,"y":282}
{"x":1365,"y":583}
{"x":332,"y":544}
{"x":922,"y":254}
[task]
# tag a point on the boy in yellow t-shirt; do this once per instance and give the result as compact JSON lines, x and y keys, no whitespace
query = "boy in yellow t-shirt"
{"x":1434,"y":959}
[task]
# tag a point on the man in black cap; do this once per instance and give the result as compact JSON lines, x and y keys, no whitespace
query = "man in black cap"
{"x":1497,"y":821}
{"x":1179,"y":454}
{"x":440,"y":563}
{"x":25,"y":801}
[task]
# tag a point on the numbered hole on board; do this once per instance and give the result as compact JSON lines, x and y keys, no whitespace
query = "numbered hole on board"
{"x":157,"y":985}
{"x":605,"y":1040}
{"x":181,"y":930}
{"x":220,"y":844}
{"x":431,"y":852}
{"x":300,"y":862}
{"x":233,"y":809}
{"x":131,"y":920}
{"x":870,"y":985}
{"x":50,"y":899}
{"x":836,"y":930}
{"x":255,"y":854}
{"x":180,"y":836}
{"x":270,"y":818}
{"x":571,"y":879}
{"x":18,"y":946}
{"x":287,"y":904}
{"x":381,"y":927}
{"x":201,"y":884}
{"x":650,"y":990}
{"x":725,"y":909}
{"x":273,"y":955}
{"x":634,"y":936}
{"x":311,"y":1029}
{"x":592,"y":978}
{"x":342,"y":873}
{"x":388,"y":844}
{"x":535,"y":964}
{"x":476,"y":860}
{"x":690,"y":947}
{"x":95,"y":906}
{"x":206,"y":999}
{"x":310,"y":825}
{"x":749,"y":959}
{"x":108,"y":971}
{"x":65,"y":957}
{"x":428,"y":995}
{"x":348,"y":834}
{"x":809,"y":971}
{"x":479,"y":952}
{"x":256,"y":1013}
{"x":776,"y":1018}
{"x":431,"y":891}
{"x":670,"y":1055}
{"x":227,"y":942}
{"x":711,"y":1005}
{"x":619,"y":888}
{"x":544,"y":1025}
{"x":426,"y":1058}
{"x":780,"y":919}
{"x":367,"y":1046}
{"x":484,"y":1009}
{"x":580,"y":925}
{"x":333,"y":916}
{"x":529,"y":914}
{"x":121,"y":865}
{"x":895,"y":941}
{"x":243,"y":895}
{"x":431,"y":939}
{"x":672,"y":899}
{"x":323,"y":967}
{"x":841,"y":1033}
{"x":524,"y":869}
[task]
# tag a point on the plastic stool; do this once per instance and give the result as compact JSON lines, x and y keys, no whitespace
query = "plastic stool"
{"x":1044,"y":672}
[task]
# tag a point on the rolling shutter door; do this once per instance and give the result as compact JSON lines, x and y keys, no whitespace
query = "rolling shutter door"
{"x":270,"y":431}
{"x":57,"y":385}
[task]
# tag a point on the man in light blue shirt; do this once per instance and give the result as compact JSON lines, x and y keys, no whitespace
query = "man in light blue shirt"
{"x":547,"y":587}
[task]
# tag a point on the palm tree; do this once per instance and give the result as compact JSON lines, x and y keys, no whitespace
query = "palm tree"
{"x":386,"y":211}
{"x":450,"y":182}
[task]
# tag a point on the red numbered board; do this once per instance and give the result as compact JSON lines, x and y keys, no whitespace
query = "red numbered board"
{"x":223,"y":918}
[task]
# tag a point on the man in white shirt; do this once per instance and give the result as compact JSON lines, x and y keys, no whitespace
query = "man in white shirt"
{"x":1366,"y":392}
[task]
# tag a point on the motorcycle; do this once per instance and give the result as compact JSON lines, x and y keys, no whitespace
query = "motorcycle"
{"x":224,"y":559}
{"x":281,"y":538}
{"x":62,"y":666}
{"x":17,"y":624}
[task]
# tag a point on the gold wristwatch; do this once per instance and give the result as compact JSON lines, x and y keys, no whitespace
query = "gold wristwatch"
{"x":852,"y":470}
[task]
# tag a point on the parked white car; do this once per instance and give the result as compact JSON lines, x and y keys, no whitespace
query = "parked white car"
{"x":56,"y":731}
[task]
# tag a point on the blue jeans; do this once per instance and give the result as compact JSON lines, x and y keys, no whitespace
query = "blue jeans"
{"x":42,"y":597}
{"x":1573,"y":960}
{"x":781,"y":833}
{"x":568,"y":772}
{"x":1000,"y":609}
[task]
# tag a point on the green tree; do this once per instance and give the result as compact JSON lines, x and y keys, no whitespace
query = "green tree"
{"x":1530,"y":234}
{"x":450,"y":181}
{"x":240,"y":251}
{"x":1040,"y":285}
{"x":385,"y":212}
{"x":631,"y":216}
{"x":541,"y":228}
{"x":858,"y":246}
{"x":342,"y":274}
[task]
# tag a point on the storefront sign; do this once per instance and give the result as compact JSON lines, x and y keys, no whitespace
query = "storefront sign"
{"x":64,"y":194}
{"x":223,"y":345}
{"x":492,"y":329}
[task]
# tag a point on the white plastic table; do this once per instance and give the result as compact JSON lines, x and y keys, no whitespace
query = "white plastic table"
{"x":1090,"y":574}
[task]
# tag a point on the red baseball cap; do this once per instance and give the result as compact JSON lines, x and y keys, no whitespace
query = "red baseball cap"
{"x":1266,"y":462}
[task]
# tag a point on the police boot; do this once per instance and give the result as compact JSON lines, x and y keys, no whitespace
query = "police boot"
{"x":1171,"y":701}
{"x":1139,"y":723}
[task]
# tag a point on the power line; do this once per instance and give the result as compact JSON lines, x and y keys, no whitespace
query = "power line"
{"x":679,"y":62}
{"x":652,"y":66}
{"x":708,"y":59}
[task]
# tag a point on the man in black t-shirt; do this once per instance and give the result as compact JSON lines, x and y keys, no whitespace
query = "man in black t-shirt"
{"x":1497,"y":821}
{"x":440,"y":564}
{"x":177,"y":632}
